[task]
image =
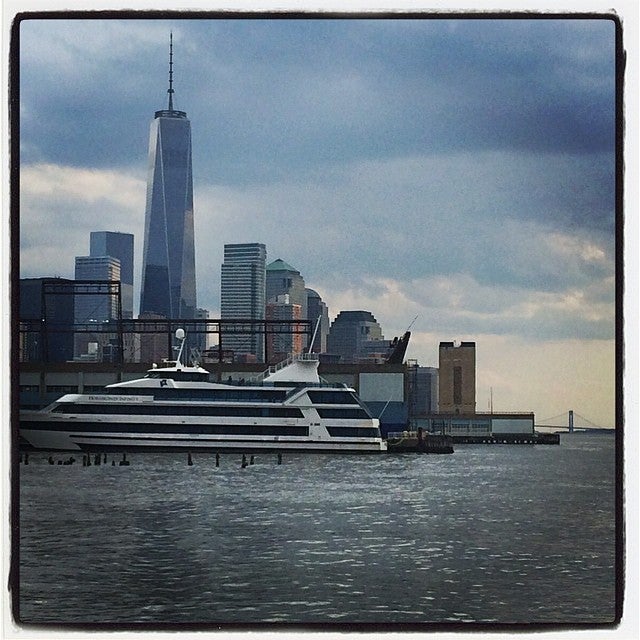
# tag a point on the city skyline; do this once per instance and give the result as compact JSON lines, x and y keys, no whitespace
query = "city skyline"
{"x":461,"y":171}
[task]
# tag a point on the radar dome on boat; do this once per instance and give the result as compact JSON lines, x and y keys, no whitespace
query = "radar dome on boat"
{"x":180,"y":334}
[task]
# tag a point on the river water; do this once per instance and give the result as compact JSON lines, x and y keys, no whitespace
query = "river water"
{"x":491,"y":534}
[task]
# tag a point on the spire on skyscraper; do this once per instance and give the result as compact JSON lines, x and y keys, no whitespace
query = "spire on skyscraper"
{"x":170,"y":90}
{"x":170,"y":112}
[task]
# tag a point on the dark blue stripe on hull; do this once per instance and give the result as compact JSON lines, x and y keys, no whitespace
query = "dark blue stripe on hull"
{"x":131,"y":444}
{"x":235,"y":448}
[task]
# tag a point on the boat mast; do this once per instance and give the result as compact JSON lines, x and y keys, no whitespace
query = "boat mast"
{"x":315,"y":331}
{"x":180,"y":335}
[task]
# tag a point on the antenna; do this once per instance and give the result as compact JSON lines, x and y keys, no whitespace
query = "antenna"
{"x":170,"y":90}
{"x":315,"y":331}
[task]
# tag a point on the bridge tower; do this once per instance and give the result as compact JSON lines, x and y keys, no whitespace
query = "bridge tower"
{"x":571,"y":421}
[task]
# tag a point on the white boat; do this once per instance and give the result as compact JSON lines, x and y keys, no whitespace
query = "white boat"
{"x":287,"y":408}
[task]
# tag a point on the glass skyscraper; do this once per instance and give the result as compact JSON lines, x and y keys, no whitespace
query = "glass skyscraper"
{"x":95,"y":309}
{"x":118,"y":245}
{"x":98,"y":307}
{"x":243,"y":285}
{"x":168,"y":285}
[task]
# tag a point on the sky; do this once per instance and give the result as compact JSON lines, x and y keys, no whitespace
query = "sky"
{"x":459,"y":172}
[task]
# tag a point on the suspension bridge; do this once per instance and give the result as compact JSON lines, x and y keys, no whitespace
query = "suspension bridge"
{"x":569,"y":421}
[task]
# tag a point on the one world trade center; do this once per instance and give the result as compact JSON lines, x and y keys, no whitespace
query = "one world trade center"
{"x":168,"y":286}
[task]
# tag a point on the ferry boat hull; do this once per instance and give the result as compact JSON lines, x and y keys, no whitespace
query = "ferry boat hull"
{"x":129,"y":442}
{"x":288,"y":408}
{"x":109,"y":435}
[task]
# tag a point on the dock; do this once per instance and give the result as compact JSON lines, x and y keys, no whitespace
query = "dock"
{"x":424,"y":442}
{"x":510,"y":438}
{"x":418,"y":442}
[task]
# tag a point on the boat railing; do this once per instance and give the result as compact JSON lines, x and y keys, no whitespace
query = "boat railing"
{"x":399,"y":435}
{"x":304,"y":357}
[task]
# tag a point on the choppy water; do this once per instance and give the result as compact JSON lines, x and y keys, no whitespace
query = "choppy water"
{"x":506,"y":534}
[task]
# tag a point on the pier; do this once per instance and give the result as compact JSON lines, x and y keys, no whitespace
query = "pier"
{"x":418,"y":442}
{"x":510,"y":438}
{"x":414,"y":442}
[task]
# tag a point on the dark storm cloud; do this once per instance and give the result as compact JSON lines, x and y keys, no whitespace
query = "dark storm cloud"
{"x":355,"y":149}
{"x":541,"y":85}
{"x":271,"y":95}
{"x":466,"y":213}
{"x":85,"y":94}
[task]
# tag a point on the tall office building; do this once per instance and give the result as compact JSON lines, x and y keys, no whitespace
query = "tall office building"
{"x":39,"y":312}
{"x":283,"y":279}
{"x":242,"y":295}
{"x":352,"y":336}
{"x":422,"y":389}
{"x":96,"y":308}
{"x":168,"y":286}
{"x":282,"y":345}
{"x":457,"y":378}
{"x":120,"y":246}
{"x":154,"y":346}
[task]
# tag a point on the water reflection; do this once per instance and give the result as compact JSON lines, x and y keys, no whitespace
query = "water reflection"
{"x":482,"y":535}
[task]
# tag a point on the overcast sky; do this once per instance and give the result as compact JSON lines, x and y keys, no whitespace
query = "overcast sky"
{"x":457,"y":170}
